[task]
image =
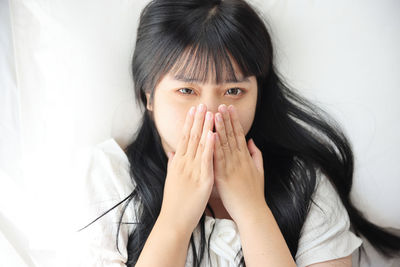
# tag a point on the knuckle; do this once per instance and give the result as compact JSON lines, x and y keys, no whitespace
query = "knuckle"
{"x":195,"y":137}
{"x":201,"y":145}
{"x":196,"y":174}
{"x":239,"y":132}
{"x":238,"y":161}
{"x":225,"y":146}
{"x":184,"y":136}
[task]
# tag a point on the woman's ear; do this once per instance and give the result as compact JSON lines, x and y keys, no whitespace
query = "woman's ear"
{"x":148,"y":106}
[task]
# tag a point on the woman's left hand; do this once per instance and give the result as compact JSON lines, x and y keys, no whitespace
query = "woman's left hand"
{"x":238,"y":167}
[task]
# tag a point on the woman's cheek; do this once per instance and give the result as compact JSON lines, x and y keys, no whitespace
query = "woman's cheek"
{"x":246,"y":126}
{"x":246,"y":120}
{"x":170,"y":126}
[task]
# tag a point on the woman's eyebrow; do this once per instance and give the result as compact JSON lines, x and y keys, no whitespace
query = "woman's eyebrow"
{"x":193,"y":80}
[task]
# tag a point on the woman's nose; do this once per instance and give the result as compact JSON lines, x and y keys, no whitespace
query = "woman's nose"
{"x":213,"y":106}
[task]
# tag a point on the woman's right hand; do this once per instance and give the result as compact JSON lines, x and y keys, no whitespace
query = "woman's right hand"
{"x":190,"y":175}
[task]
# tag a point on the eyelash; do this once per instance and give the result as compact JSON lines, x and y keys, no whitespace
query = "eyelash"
{"x":241,"y":93}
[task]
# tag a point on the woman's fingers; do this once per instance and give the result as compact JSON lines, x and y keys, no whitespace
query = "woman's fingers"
{"x":219,"y":159}
{"x":207,"y":156}
{"x":230,"y":135}
{"x":183,"y":143}
{"x":195,"y":133}
{"x":237,"y":129}
{"x":219,"y":126}
{"x":208,"y":126}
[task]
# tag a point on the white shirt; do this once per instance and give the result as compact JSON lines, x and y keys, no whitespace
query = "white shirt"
{"x":326,"y":234}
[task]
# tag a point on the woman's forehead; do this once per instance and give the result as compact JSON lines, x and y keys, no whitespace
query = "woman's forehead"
{"x":178,"y":77}
{"x":206,"y":67}
{"x":201,"y":74}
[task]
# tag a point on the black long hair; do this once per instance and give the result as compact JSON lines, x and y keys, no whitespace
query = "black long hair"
{"x":296,"y":138}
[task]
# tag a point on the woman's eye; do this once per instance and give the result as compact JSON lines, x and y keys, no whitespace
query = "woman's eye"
{"x":232,"y":91}
{"x":180,"y":90}
{"x":235,"y":90}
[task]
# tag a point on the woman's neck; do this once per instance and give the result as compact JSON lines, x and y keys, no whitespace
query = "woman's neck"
{"x":218,"y":208}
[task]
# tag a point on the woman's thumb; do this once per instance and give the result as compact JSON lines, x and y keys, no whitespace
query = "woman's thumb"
{"x":256,"y":154}
{"x":170,"y":156}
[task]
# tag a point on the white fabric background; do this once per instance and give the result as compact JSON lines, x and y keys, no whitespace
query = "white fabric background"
{"x":65,"y":84}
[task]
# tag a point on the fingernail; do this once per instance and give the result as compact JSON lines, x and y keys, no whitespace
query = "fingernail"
{"x":208,"y":115}
{"x":218,"y":116}
{"x":209,"y":134}
{"x":200,"y":108}
{"x":191,"y":111}
{"x":223,"y":108}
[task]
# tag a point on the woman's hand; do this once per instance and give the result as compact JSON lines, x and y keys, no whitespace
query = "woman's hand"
{"x":190,"y":176}
{"x":238,"y":167}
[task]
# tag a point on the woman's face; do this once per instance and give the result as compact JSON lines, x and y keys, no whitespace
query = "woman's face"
{"x":173,"y":97}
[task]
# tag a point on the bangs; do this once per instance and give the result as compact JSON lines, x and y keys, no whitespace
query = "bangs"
{"x":203,"y":64}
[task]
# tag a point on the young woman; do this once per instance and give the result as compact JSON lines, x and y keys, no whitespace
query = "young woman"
{"x":255,"y":172}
